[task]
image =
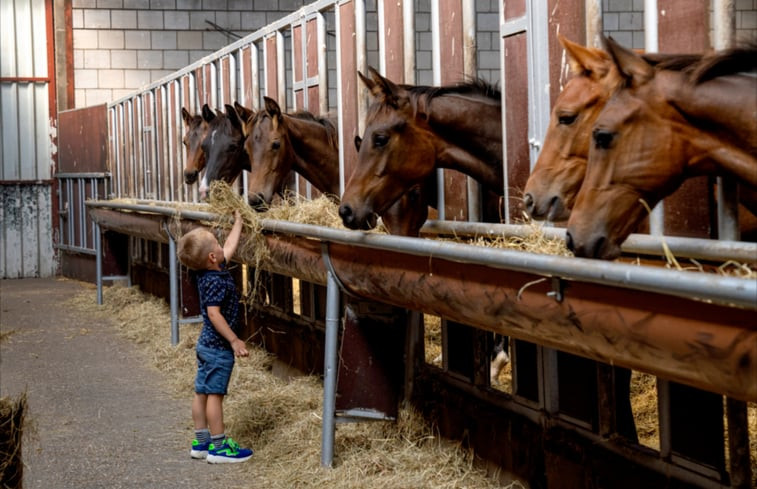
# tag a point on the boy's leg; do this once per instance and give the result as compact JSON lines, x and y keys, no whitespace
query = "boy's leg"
{"x":199,"y":410}
{"x":201,"y":443}
{"x":214,"y":413}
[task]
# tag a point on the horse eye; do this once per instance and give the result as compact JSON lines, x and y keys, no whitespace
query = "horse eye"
{"x":276,"y":144}
{"x":567,"y":119}
{"x":380,"y":140}
{"x":602,"y":138}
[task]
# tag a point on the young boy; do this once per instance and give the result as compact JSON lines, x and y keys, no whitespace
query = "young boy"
{"x":218,"y":343}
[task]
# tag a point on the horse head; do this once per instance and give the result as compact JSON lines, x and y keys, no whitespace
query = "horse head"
{"x":554,"y":182}
{"x":223,"y":146}
{"x":196,"y":130}
{"x":644,"y":145}
{"x":279,"y":143}
{"x":396,"y":153}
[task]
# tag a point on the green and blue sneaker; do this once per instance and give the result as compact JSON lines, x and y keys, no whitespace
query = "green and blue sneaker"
{"x":199,"y":450}
{"x":228,"y":452}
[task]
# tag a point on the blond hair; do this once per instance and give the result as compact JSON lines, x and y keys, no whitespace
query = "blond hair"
{"x":194,"y":247}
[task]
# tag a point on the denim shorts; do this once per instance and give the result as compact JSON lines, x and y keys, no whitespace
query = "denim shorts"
{"x":213,"y":370}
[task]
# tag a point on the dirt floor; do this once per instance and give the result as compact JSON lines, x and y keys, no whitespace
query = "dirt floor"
{"x":104,"y":417}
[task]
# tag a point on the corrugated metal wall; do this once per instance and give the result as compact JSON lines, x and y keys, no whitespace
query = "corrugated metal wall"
{"x":26,"y":136}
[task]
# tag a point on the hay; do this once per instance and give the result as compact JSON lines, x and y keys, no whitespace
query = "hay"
{"x":12,"y":428}
{"x":281,"y":419}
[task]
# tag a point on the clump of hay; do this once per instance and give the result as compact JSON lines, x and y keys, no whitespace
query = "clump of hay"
{"x":535,"y":242}
{"x":12,"y":426}
{"x":281,"y":419}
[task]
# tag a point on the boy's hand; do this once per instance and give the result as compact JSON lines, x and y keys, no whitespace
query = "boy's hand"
{"x":240,"y":349}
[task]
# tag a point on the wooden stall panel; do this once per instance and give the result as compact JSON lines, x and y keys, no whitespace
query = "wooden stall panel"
{"x":348,"y":78}
{"x":567,"y":19}
{"x":393,"y":41}
{"x":452,"y":68}
{"x":518,"y":164}
{"x":271,"y":68}
{"x":83,"y":140}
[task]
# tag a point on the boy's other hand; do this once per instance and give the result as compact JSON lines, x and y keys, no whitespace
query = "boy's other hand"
{"x":240,"y":349}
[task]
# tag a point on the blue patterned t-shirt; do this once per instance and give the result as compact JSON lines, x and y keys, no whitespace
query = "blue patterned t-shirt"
{"x":217,"y":288}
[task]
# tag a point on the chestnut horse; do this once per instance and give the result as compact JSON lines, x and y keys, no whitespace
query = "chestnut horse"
{"x":196,"y":130}
{"x":223,"y":145}
{"x":559,"y":171}
{"x":412,"y":130}
{"x":660,"y":128}
{"x":278,"y":143}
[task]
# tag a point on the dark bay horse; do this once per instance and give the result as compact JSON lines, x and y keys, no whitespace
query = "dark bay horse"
{"x":223,"y":146}
{"x":560,"y":168}
{"x":412,"y":130}
{"x":196,"y":130}
{"x":660,"y":128}
{"x":278,"y":143}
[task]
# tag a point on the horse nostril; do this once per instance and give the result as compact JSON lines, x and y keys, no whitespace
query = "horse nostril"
{"x":528,"y":200}
{"x":569,"y":242}
{"x":345,"y":212}
{"x":596,"y":251}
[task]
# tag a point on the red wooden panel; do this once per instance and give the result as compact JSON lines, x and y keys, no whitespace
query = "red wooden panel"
{"x":683,"y":26}
{"x":312,"y":48}
{"x":271,"y":80}
{"x":247,"y":78}
{"x":393,"y":41}
{"x":514,"y":9}
{"x":314,"y":105}
{"x":297,"y":53}
{"x":225,"y":82}
{"x":188,"y":95}
{"x":82,"y":140}
{"x":566,"y":18}
{"x":516,"y":113}
{"x":349,"y":84}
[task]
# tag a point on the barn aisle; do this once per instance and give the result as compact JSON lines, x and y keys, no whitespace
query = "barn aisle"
{"x":104,"y":417}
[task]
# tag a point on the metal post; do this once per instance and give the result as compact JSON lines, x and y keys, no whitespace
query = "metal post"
{"x":99,"y":263}
{"x":172,"y":271}
{"x":651,"y":45}
{"x":329,"y":369}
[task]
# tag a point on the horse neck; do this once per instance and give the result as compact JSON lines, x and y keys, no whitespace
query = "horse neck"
{"x":712,"y":106}
{"x":471,"y":137}
{"x":315,"y":157}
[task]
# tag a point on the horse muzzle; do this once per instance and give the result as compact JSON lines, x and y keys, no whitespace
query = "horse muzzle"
{"x":352,"y":220}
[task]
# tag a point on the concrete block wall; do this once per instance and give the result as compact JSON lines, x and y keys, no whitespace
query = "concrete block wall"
{"x":624,"y":21}
{"x":122,"y":45}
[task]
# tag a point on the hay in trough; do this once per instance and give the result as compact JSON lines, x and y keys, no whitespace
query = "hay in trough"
{"x":12,"y":427}
{"x":281,"y":419}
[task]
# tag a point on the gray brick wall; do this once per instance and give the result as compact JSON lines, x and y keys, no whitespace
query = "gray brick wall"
{"x":122,"y":45}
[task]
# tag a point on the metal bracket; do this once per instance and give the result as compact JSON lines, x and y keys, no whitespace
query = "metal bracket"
{"x":558,"y":289}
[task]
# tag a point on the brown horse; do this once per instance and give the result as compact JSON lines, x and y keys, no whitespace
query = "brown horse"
{"x":278,"y":143}
{"x":412,"y":130}
{"x":223,"y":146}
{"x":662,"y":127}
{"x":551,"y":189}
{"x":196,"y":130}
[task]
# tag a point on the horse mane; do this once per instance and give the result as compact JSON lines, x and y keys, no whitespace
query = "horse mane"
{"x":672,"y":62}
{"x":476,"y":86}
{"x":738,"y":59}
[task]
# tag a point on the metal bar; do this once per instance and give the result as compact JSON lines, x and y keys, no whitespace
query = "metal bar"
{"x":99,"y":264}
{"x":651,"y":45}
{"x":83,"y":175}
{"x":698,"y":286}
{"x":330,"y":371}
{"x":173,"y":287}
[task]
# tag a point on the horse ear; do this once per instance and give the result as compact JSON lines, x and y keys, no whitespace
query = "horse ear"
{"x":273,"y":109}
{"x":186,"y":116}
{"x":358,"y":140}
{"x":244,"y":113}
{"x":630,"y":64}
{"x":384,"y":89}
{"x":207,"y":114}
{"x":231,"y":113}
{"x":367,"y":81}
{"x":586,"y":61}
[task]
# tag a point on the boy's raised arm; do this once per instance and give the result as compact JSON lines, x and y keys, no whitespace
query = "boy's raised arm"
{"x":232,"y":240}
